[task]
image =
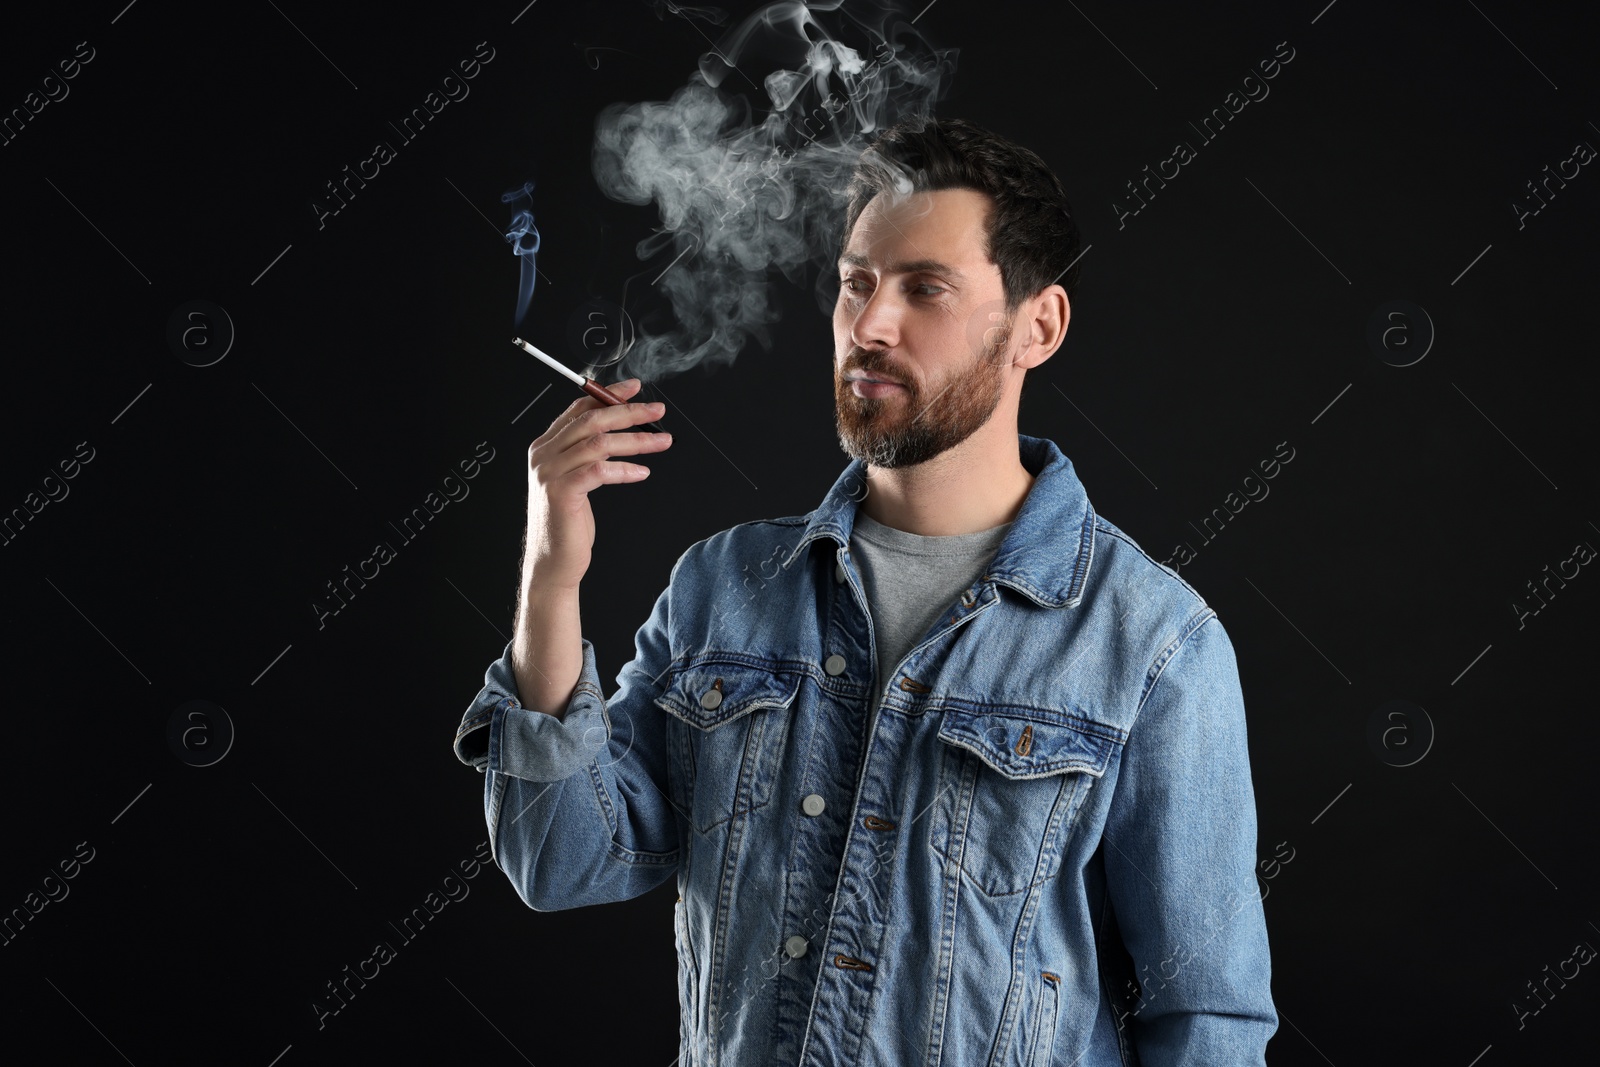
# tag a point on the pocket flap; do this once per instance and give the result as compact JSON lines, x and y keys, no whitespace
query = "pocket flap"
{"x":1024,"y":743}
{"x":708,"y":694}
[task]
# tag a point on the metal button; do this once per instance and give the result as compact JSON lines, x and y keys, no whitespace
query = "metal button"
{"x":795,"y":946}
{"x":711,"y":699}
{"x":834,"y":664}
{"x":838,"y":571}
{"x":813,"y":804}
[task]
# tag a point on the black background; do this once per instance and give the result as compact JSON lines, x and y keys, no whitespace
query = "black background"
{"x":371,"y":355}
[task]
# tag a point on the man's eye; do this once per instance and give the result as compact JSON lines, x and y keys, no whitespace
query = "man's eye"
{"x":861,"y":285}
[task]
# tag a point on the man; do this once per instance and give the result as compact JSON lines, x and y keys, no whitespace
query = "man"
{"x":948,"y":770}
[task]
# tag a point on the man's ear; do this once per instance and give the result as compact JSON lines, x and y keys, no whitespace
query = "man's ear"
{"x":1044,"y":317}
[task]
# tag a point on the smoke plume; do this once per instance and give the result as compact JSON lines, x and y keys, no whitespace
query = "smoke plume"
{"x":525,"y":248}
{"x":740,"y":194}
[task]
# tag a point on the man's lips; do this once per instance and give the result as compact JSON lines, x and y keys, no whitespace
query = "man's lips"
{"x":865,"y":378}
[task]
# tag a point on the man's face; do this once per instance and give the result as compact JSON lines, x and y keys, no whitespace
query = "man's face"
{"x":921,"y":305}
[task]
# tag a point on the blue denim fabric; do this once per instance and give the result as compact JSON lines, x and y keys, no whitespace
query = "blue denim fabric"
{"x":1051,"y":802}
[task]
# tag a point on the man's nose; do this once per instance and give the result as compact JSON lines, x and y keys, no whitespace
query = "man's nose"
{"x":877,"y":325}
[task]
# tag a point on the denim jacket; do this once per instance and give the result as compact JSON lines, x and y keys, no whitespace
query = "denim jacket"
{"x":1036,"y":845}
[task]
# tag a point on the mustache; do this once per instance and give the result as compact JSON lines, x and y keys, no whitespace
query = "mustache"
{"x":860,"y":361}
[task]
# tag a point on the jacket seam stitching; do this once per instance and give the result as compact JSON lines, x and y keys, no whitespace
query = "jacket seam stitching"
{"x":1112,"y":531}
{"x":1158,"y":666}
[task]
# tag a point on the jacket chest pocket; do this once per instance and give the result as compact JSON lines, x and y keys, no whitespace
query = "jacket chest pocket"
{"x":1011,"y":784}
{"x":730,"y":737}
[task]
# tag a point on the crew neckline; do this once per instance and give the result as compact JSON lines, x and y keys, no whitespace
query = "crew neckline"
{"x":877,"y":533}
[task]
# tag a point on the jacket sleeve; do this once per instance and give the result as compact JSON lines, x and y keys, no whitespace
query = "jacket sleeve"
{"x":578,"y":808}
{"x":1180,"y":863}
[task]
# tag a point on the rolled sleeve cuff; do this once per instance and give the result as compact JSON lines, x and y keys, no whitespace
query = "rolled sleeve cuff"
{"x":498,"y":734}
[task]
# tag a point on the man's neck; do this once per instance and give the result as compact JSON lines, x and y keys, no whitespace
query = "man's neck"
{"x":965,"y":490}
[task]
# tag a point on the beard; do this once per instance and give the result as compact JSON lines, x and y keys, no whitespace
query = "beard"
{"x":916,"y":422}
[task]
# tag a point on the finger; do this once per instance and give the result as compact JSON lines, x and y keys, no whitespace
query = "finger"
{"x":601,"y":447}
{"x":599,"y":416}
{"x":596,"y":424}
{"x":591,"y":476}
{"x":586,"y":403}
{"x":586,"y":468}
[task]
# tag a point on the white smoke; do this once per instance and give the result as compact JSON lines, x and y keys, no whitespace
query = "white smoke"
{"x":739,"y":196}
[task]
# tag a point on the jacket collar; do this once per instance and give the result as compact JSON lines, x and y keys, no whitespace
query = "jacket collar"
{"x":1046,"y":552}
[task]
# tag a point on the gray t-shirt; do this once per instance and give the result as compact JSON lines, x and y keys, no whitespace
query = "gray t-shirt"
{"x":912,"y":580}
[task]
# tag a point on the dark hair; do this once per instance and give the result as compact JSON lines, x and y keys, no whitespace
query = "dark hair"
{"x":1031,"y":235}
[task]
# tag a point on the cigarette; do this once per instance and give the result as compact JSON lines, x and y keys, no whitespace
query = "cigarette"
{"x":588,"y":385}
